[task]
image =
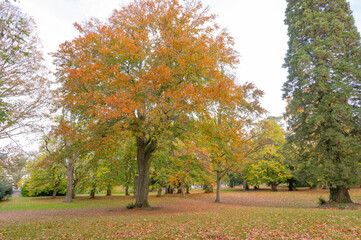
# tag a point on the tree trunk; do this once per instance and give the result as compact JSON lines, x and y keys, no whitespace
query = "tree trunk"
{"x":144,"y":152}
{"x":244,"y":185}
{"x":69,"y":184}
{"x":109,"y":191}
{"x":274,"y":186}
{"x":340,"y":195}
{"x":159,"y":194}
{"x":218,"y":194}
{"x":127,"y":191}
{"x":187,"y":190}
{"x":92,"y":193}
{"x":169,"y":190}
{"x":183,"y":190}
{"x":55,"y":189}
{"x":135,"y":186}
{"x":291,"y":185}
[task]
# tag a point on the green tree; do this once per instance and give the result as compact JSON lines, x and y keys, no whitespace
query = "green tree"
{"x":322,"y":90}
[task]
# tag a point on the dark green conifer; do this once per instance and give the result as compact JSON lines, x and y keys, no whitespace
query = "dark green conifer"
{"x":323,"y":91}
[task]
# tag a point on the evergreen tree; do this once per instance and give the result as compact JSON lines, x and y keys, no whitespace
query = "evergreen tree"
{"x":323,"y":90}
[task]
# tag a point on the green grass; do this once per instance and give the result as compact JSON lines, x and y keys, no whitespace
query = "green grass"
{"x":255,"y":214}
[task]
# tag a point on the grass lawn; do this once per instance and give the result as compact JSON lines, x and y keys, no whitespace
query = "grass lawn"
{"x":252,"y":215}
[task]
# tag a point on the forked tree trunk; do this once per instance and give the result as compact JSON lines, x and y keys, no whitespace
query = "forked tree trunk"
{"x":144,"y":152}
{"x":218,"y":194}
{"x":159,"y":194}
{"x":69,"y":183}
{"x":340,"y":195}
{"x":274,"y":186}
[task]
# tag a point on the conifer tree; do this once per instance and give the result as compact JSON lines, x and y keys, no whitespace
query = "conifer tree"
{"x":323,"y":90}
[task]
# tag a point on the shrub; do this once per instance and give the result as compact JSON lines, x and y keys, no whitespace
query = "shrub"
{"x":321,"y":201}
{"x":131,"y":205}
{"x":25,"y":191}
{"x":5,"y":191}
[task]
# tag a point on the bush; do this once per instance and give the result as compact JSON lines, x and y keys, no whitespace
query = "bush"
{"x":131,"y":205}
{"x":321,"y":201}
{"x":5,"y":191}
{"x":25,"y":191}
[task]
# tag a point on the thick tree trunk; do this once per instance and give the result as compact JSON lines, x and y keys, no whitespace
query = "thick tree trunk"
{"x":159,"y":194}
{"x":340,"y":195}
{"x":183,"y":190}
{"x":218,"y":194}
{"x":187,"y":190}
{"x":55,"y":189}
{"x":244,"y":185}
{"x":127,"y":191}
{"x":135,"y":186}
{"x":291,"y":185}
{"x":144,"y":152}
{"x":109,"y":191}
{"x":92,"y":193}
{"x":274,"y":186}
{"x":69,"y":184}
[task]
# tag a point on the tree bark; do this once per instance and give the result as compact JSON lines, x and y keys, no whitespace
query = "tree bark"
{"x":274,"y":186}
{"x":135,"y":186}
{"x":55,"y":189}
{"x":218,"y":194}
{"x":244,"y":185}
{"x":109,"y":191}
{"x":340,"y":195}
{"x":159,"y":194}
{"x":291,"y":185}
{"x":144,"y":152}
{"x":127,"y":191}
{"x":183,"y":190}
{"x":69,"y":184}
{"x":187,"y":190}
{"x":92,"y":193}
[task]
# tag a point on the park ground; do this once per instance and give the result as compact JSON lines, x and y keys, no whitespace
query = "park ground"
{"x":258,"y":214}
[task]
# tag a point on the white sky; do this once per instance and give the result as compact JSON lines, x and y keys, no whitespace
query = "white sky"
{"x":257,"y":26}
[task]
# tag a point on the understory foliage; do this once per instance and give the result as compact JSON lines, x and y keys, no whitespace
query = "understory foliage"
{"x":5,"y":190}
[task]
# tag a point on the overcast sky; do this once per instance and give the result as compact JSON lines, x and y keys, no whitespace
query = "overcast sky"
{"x":257,"y":26}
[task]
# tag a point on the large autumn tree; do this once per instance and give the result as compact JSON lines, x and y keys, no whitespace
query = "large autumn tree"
{"x":323,"y":90}
{"x":150,"y":66}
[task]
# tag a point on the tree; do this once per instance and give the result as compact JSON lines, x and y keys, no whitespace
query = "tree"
{"x":151,"y":65}
{"x":324,"y":72}
{"x":13,"y":165}
{"x":23,"y":87}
